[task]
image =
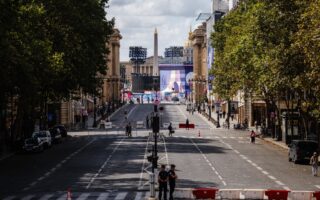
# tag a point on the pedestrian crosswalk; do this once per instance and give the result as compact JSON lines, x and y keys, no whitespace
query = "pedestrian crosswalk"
{"x":125,"y":195}
{"x":212,"y":137}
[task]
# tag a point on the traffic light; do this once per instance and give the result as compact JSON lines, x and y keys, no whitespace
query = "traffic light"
{"x":155,"y":124}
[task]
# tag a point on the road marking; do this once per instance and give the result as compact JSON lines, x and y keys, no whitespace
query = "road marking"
{"x":236,"y":151}
{"x":57,"y":166}
{"x":205,"y":157}
{"x":121,"y":196}
{"x":83,"y":196}
{"x":317,"y":186}
{"x":265,"y":172}
{"x":46,"y":197}
{"x":28,"y":197}
{"x":279,"y":183}
{"x":104,"y":164}
{"x":62,"y":197}
{"x":165,"y":149}
{"x":272,"y":177}
{"x":138,"y":196}
{"x":286,"y":188}
{"x":10,"y":198}
{"x":259,"y":168}
{"x":143,"y":164}
{"x":103,"y":196}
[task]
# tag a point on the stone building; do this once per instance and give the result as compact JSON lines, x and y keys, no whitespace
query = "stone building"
{"x":111,"y":90}
{"x":200,"y":70}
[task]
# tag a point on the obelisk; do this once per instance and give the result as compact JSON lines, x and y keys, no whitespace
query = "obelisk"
{"x":155,"y":54}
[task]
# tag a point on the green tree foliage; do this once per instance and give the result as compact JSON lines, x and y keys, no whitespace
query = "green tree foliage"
{"x":49,"y":49}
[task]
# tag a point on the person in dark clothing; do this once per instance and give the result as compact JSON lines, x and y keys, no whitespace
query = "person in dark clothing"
{"x":147,"y":122}
{"x":187,"y":124}
{"x":172,"y":180}
{"x":171,"y":131}
{"x":163,"y":182}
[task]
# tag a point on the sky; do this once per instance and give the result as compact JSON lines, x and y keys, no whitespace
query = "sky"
{"x":137,"y":20}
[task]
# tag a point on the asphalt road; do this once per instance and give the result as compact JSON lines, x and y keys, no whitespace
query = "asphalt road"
{"x":105,"y":164}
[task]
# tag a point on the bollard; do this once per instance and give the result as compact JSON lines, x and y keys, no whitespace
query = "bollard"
{"x":152,"y":186}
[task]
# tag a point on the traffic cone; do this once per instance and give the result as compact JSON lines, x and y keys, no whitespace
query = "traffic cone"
{"x":199,"y":134}
{"x":69,"y":194}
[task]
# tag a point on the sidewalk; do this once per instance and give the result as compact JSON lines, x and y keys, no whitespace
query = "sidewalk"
{"x":232,"y":122}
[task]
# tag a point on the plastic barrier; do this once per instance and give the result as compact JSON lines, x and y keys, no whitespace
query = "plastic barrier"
{"x":317,"y":195}
{"x":185,"y":126}
{"x":253,"y":193}
{"x":204,"y":193}
{"x":301,"y":195}
{"x":230,"y":193}
{"x":108,"y":125}
{"x":140,"y":124}
{"x":175,"y":125}
{"x":165,"y":125}
{"x":185,"y":193}
{"x":277,"y":194}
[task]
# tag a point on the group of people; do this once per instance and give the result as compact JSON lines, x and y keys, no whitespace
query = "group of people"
{"x":164,"y":178}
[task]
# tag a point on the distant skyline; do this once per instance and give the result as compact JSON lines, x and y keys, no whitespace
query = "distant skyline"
{"x":137,"y":20}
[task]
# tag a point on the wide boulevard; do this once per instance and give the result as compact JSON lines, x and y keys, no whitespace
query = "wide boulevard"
{"x":105,"y":164}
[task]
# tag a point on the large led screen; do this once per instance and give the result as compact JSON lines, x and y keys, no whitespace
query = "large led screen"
{"x":174,"y":81}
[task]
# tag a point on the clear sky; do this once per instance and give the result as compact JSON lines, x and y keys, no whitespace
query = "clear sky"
{"x":137,"y":19}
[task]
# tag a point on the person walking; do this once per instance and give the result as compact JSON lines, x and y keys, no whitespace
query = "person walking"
{"x":171,"y":131}
{"x":172,"y":180}
{"x":147,"y":122}
{"x":163,"y":182}
{"x":187,"y":124}
{"x":128,"y":130}
{"x":253,"y":136}
{"x":314,"y":164}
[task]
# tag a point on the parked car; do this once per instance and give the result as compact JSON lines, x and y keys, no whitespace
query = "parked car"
{"x":33,"y":145}
{"x":55,"y":135}
{"x":301,"y":150}
{"x":44,"y":136}
{"x":63,"y":130}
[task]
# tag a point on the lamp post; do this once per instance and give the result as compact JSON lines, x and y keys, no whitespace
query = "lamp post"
{"x":94,"y":112}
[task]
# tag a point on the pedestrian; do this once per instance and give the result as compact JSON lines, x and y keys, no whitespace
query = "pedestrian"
{"x":256,"y":125}
{"x":129,"y":129}
{"x":187,"y":124}
{"x":314,"y":163}
{"x":192,"y":110}
{"x":147,"y":122}
{"x":171,"y":131}
{"x":172,"y":180}
{"x":253,"y":136}
{"x":163,"y":182}
{"x":232,"y":117}
{"x":224,"y":114}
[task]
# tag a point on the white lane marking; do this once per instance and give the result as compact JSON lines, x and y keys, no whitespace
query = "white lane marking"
{"x":28,"y":197}
{"x":62,"y":197}
{"x":286,"y":188}
{"x":104,"y":164}
{"x":83,"y":196}
{"x":272,"y":177}
{"x":265,"y":172}
{"x":165,"y":149}
{"x":9,"y":198}
{"x":317,"y":186}
{"x":236,"y":151}
{"x":138,"y":196}
{"x":144,"y":162}
{"x":103,"y":196}
{"x":279,"y":183}
{"x":121,"y":196}
{"x":205,"y":157}
{"x":259,"y":168}
{"x":46,"y":197}
{"x":55,"y":168}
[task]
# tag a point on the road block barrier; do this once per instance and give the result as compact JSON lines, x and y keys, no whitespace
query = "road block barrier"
{"x":277,"y":194}
{"x":165,"y":125}
{"x":212,"y":193}
{"x":316,"y":194}
{"x":253,"y":193}
{"x":229,"y":193}
{"x":139,"y":124}
{"x":301,"y":195}
{"x":204,"y":193}
{"x":185,"y":126}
